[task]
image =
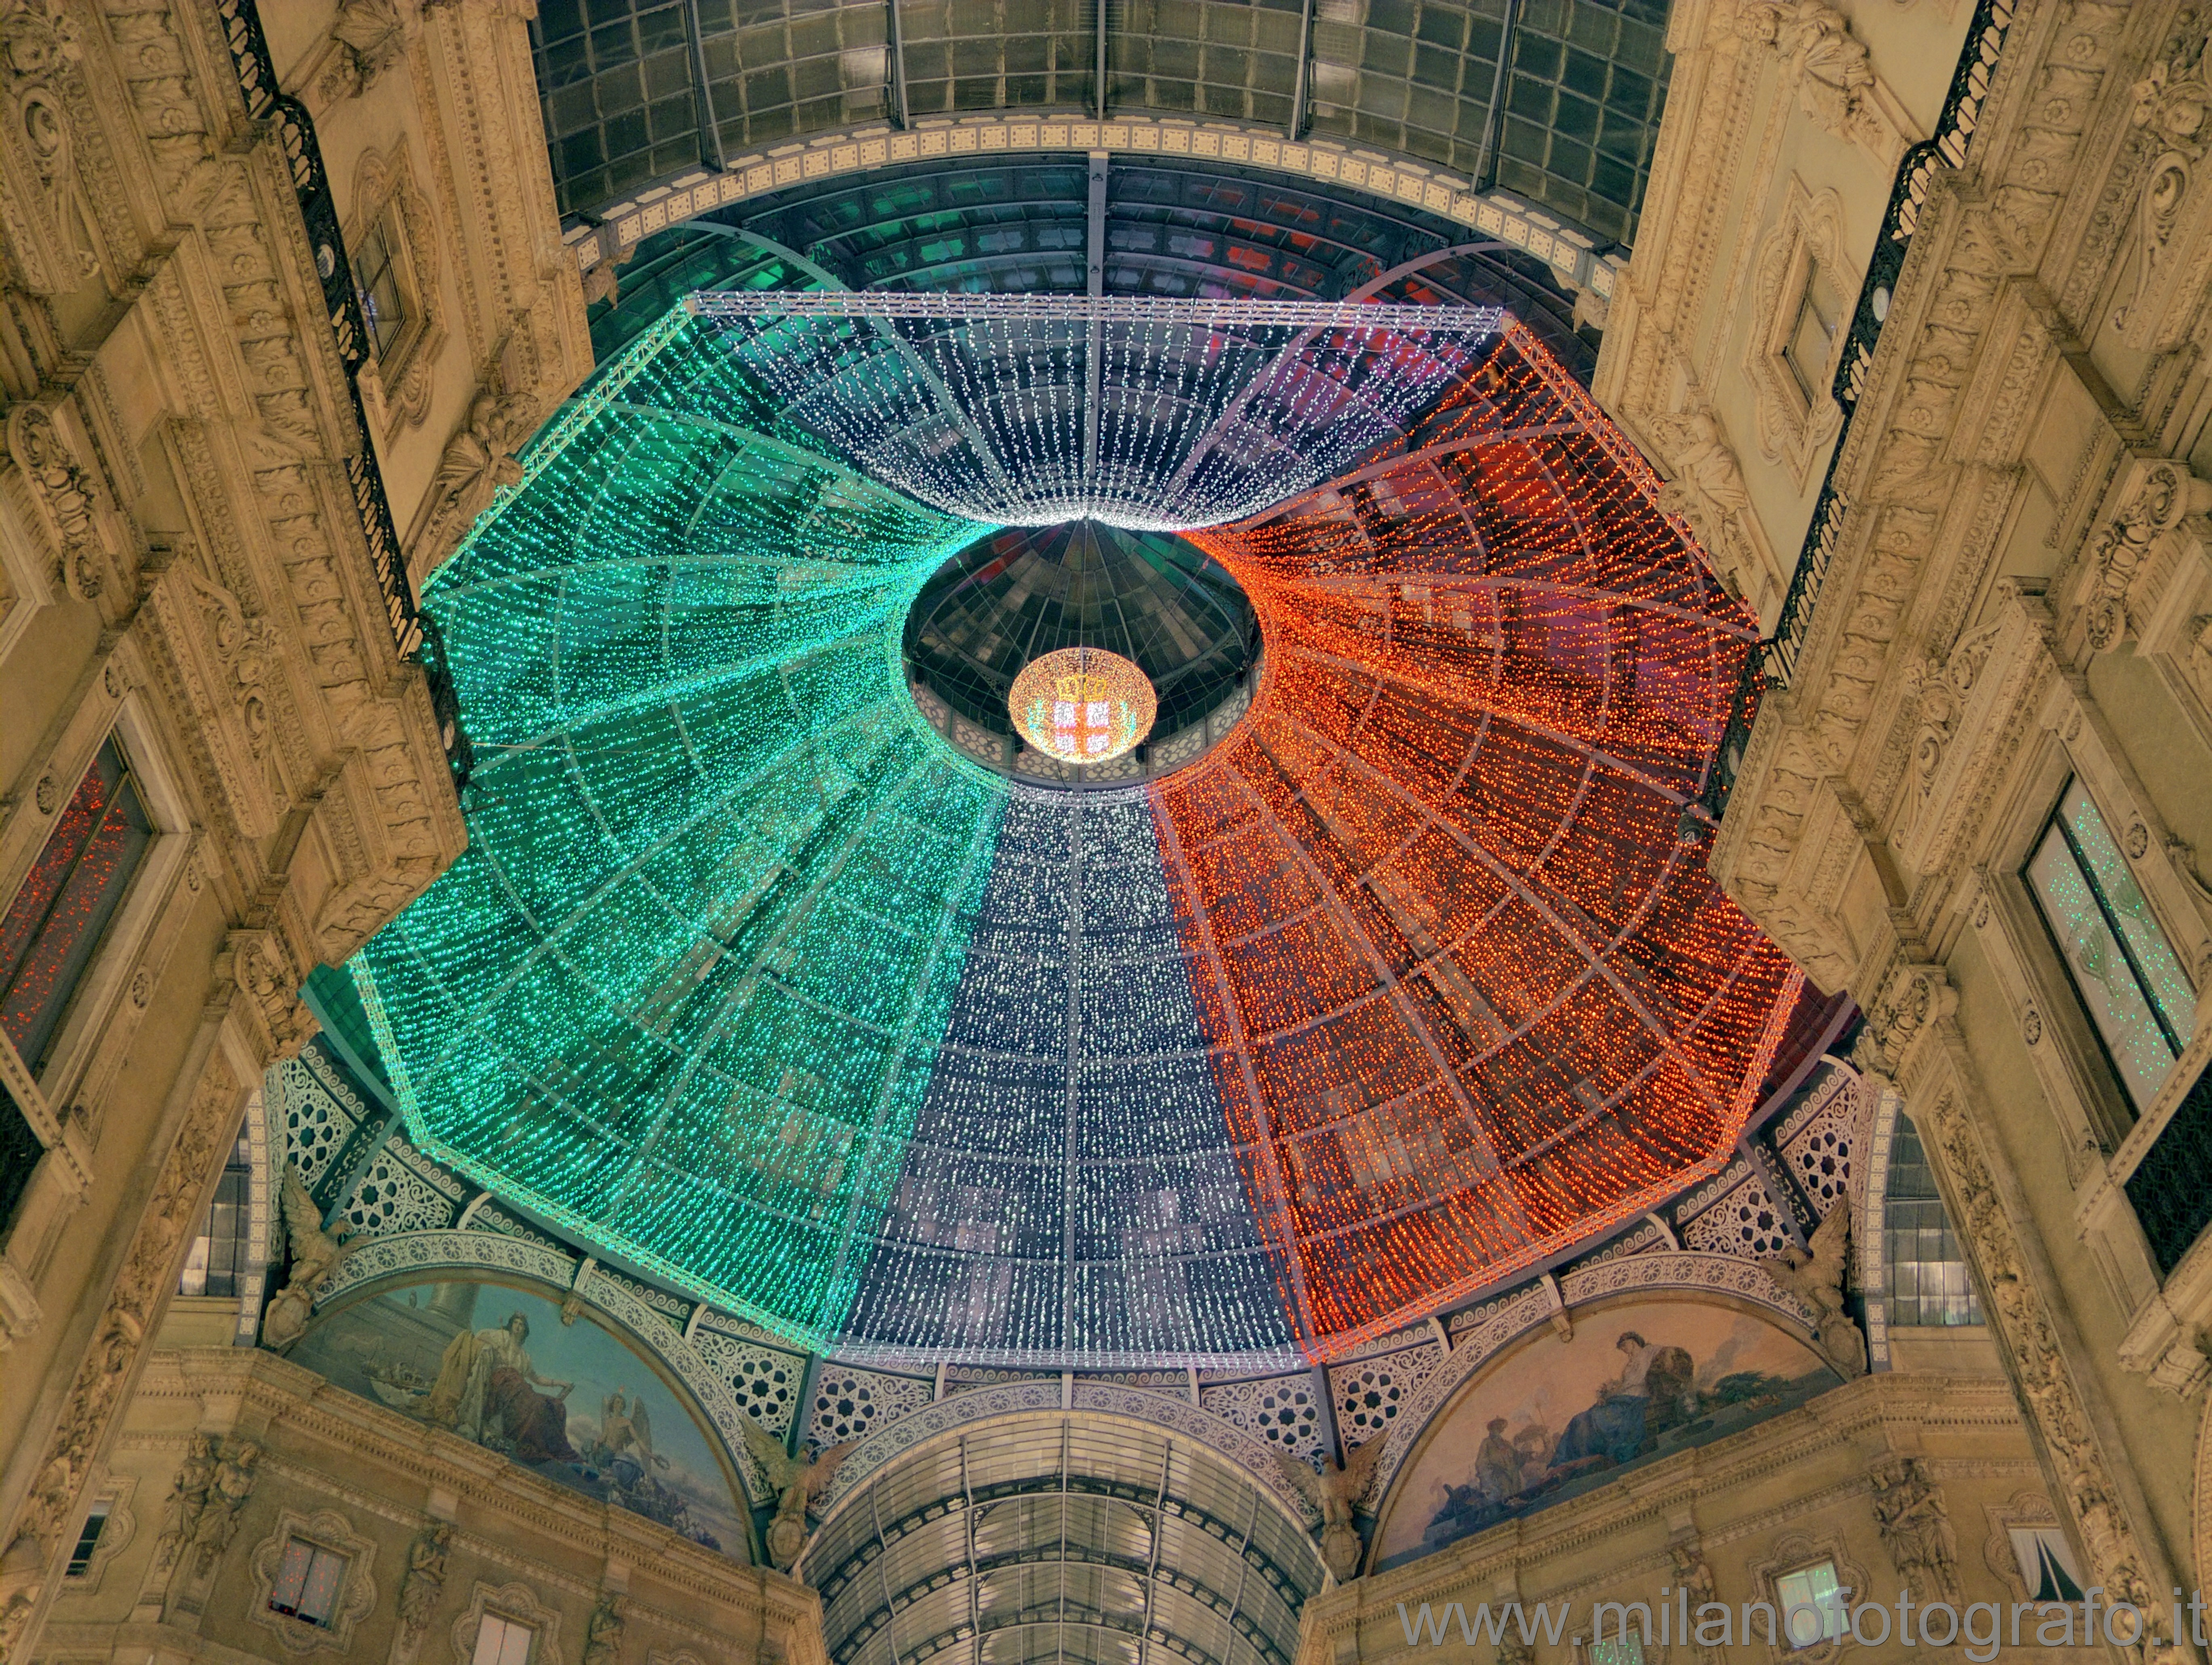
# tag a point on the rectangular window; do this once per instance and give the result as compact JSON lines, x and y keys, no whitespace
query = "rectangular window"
{"x":87,"y":1541}
{"x":1627,"y":1649}
{"x":2125,"y":974}
{"x":68,"y":900}
{"x":308,"y":1582}
{"x":376,"y":275}
{"x":214,"y":1263}
{"x":1812,"y":335}
{"x":502,"y":1641}
{"x":1812,"y":1605}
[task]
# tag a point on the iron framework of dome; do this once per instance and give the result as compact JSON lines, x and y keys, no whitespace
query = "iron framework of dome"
{"x":1414,"y":982}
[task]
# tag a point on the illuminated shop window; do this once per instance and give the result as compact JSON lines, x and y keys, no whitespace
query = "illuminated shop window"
{"x":1812,"y":1605}
{"x":308,"y":1582}
{"x":217,"y":1256}
{"x":1928,"y":1279}
{"x":2126,"y":976}
{"x":68,"y":900}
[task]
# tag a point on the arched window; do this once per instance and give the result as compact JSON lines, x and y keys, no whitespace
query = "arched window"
{"x":1928,"y":1281}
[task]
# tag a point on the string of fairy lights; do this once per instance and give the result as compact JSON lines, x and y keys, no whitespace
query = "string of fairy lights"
{"x":1155,"y":415}
{"x":750,"y":978}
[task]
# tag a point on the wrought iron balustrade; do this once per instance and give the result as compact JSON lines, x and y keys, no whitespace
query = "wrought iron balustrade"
{"x":414,"y":632}
{"x":1773,"y":664}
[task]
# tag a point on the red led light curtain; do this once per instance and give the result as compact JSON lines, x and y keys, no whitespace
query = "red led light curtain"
{"x":1471,"y":991}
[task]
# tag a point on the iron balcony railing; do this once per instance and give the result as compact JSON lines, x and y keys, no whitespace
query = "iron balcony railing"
{"x":414,"y":631}
{"x":1773,"y":663}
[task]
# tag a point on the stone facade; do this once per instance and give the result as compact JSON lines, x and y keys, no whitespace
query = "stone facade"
{"x":188,"y":569}
{"x":1903,"y":1483}
{"x":231,"y":1455}
{"x":2012,"y":593}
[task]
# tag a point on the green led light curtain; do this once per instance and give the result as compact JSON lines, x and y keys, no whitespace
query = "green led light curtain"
{"x":681,"y":991}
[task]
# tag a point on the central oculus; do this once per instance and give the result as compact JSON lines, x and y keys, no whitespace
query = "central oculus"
{"x":1083,"y":704}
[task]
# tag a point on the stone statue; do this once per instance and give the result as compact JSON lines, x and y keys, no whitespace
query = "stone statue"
{"x":226,"y":1495}
{"x":1334,"y":1491}
{"x":602,"y":1636}
{"x":797,"y":1480}
{"x":1695,"y":1575}
{"x":1816,"y":1278}
{"x":1915,"y":1528}
{"x":315,"y":1255}
{"x":188,"y":1497}
{"x":420,"y":1589}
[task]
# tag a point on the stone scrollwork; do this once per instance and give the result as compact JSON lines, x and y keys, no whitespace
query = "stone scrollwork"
{"x":2161,"y":499}
{"x":478,"y":460}
{"x":1834,"y":74}
{"x":369,"y":36}
{"x":2115,"y":1556}
{"x":263,"y":972}
{"x":2173,"y":110}
{"x":62,"y":490}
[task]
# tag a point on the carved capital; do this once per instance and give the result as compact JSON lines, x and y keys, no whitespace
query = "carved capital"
{"x":259,"y":965}
{"x":62,"y":491}
{"x":2159,"y":499}
{"x":1909,"y":997}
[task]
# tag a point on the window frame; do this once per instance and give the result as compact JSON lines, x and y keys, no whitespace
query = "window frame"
{"x":389,"y":225}
{"x":2053,"y":820}
{"x":509,"y":1627}
{"x":1813,"y":382}
{"x":70,"y":1050}
{"x":85,"y":1553}
{"x":38,"y":1049}
{"x":1835,"y":1622}
{"x":317,"y":1551}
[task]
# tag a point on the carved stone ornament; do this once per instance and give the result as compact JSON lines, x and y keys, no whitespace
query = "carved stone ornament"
{"x":2115,"y":1555}
{"x":314,"y":1255}
{"x":479,"y":459}
{"x":384,"y":184}
{"x":420,"y":1589}
{"x":1706,"y":488}
{"x":2163,"y":495}
{"x":603,"y":1633}
{"x":62,"y":491}
{"x":1808,"y":234}
{"x":1915,"y":1528}
{"x":2173,"y":109}
{"x":264,"y":972}
{"x":109,"y":1363}
{"x":370,"y":37}
{"x":356,"y":1595}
